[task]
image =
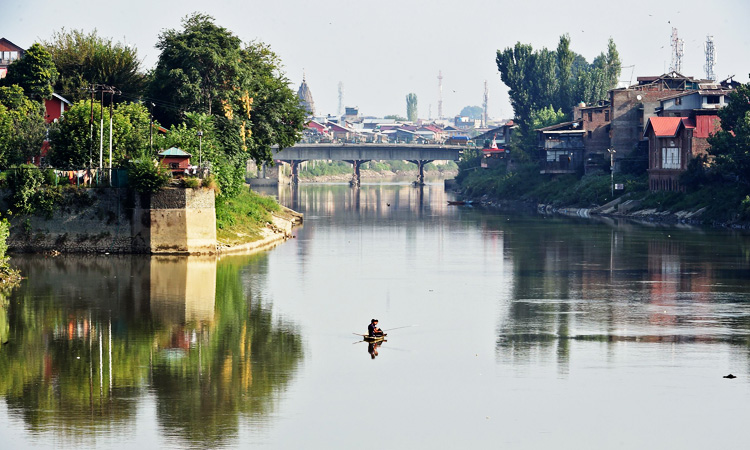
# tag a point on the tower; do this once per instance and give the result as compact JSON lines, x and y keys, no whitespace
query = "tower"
{"x":485,"y":100}
{"x":710,"y":58}
{"x":678,"y":47}
{"x":440,"y":94}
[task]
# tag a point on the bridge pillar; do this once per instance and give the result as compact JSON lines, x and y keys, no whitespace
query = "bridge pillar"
{"x":355,"y":175}
{"x":420,"y":170}
{"x":295,"y":172}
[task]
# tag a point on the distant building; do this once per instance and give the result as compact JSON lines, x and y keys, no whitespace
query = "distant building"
{"x":305,"y":98}
{"x":176,"y":160}
{"x":9,"y":52}
{"x":595,"y":122}
{"x":562,"y":147}
{"x":672,"y":143}
{"x":495,"y":145}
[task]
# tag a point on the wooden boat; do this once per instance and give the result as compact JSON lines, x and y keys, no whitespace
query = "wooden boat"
{"x":369,"y":338}
{"x":456,"y":202}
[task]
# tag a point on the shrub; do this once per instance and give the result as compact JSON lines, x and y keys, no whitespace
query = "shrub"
{"x":24,"y":181}
{"x":147,"y":176}
{"x":191,"y":182}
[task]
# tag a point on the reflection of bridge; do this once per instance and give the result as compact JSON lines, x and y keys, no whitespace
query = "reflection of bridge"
{"x":356,"y":154}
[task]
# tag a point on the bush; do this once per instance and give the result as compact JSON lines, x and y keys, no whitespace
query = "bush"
{"x":24,"y":181}
{"x":191,"y":182}
{"x":147,"y":176}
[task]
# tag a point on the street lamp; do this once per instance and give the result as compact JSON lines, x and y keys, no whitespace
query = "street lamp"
{"x":200,"y":148}
{"x":612,"y":169}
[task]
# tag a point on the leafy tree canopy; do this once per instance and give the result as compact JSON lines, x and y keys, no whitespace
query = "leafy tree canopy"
{"x":540,"y":78}
{"x":396,"y":117}
{"x":731,"y":145}
{"x":35,"y":73}
{"x":85,"y":59}
{"x":22,"y":126}
{"x":472,"y":112}
{"x":204,"y":68}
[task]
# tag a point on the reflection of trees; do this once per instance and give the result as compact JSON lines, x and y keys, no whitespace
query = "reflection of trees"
{"x":232,"y":369}
{"x":84,"y":345}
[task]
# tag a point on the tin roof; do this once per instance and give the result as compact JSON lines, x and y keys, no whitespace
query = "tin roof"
{"x":174,"y":151}
{"x":665,"y":126}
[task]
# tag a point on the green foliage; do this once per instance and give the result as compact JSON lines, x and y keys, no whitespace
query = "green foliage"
{"x":241,"y":217}
{"x":85,"y":59}
{"x":731,"y":145}
{"x":24,"y":181}
{"x":70,"y":137}
{"x":395,"y":117}
{"x":22,"y":127}
{"x":204,"y":68}
{"x":411,"y":107}
{"x":542,"y":78}
{"x":35,"y":73}
{"x":191,"y":182}
{"x":472,"y":112}
{"x":146,"y":175}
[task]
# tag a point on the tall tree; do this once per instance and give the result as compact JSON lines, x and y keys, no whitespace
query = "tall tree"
{"x":411,"y":107}
{"x":85,"y":59}
{"x":731,"y":145}
{"x":565,"y":58}
{"x":34,"y":72}
{"x":472,"y":112}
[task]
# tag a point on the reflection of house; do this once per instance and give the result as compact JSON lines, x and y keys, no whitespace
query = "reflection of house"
{"x":175,"y":159}
{"x":9,"y":52}
{"x":672,"y":143}
{"x":562,"y":147}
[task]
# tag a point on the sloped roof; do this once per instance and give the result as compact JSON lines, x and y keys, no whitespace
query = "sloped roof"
{"x":174,"y":151}
{"x":665,"y":126}
{"x":706,"y":125}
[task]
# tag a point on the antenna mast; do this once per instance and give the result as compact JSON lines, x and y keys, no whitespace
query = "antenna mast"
{"x":678,"y":49}
{"x":485,"y":100}
{"x":440,"y":94}
{"x":710,"y":58}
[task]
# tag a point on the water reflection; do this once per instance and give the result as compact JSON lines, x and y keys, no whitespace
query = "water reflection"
{"x":91,"y":337}
{"x":580,"y":280}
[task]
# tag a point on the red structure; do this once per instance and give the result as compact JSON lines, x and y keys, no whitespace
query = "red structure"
{"x":176,"y":160}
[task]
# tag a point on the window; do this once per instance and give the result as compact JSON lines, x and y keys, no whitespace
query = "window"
{"x":589,"y":116}
{"x":713,"y":99}
{"x":606,"y":115}
{"x":670,"y":158}
{"x":590,"y":134}
{"x":678,"y":101}
{"x":174,"y":165}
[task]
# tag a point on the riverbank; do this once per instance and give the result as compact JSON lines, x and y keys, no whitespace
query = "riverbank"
{"x":277,"y":231}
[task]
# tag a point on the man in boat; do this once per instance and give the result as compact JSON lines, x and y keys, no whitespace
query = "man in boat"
{"x":373,"y":330}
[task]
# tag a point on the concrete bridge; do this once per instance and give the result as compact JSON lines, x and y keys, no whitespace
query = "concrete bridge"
{"x":356,"y":154}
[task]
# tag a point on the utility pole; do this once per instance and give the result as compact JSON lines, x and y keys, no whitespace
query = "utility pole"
{"x":612,"y":169}
{"x":200,"y":149}
{"x":101,"y":129}
{"x":151,"y":129}
{"x":91,"y":125}
{"x":485,"y":101}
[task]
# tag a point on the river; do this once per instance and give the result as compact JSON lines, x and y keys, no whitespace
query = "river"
{"x":509,"y":331}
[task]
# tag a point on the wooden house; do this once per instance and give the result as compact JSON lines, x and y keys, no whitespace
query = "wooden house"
{"x":176,"y":160}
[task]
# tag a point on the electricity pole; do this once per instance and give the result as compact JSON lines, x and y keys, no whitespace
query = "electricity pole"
{"x":612,"y":169}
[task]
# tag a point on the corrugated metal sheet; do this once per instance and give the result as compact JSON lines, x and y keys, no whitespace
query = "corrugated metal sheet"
{"x":705,"y":125}
{"x":665,"y":126}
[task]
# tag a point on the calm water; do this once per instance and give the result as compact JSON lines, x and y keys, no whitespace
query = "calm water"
{"x":519,"y":332}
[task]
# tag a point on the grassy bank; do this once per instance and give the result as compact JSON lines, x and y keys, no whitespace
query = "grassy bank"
{"x":242,"y":219}
{"x":725,"y":202}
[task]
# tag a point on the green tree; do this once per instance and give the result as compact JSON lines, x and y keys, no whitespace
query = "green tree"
{"x":565,"y":58}
{"x":35,"y":73}
{"x":411,"y":107}
{"x":85,"y":59}
{"x":22,"y":126}
{"x":472,"y":112}
{"x":71,"y":140}
{"x":204,"y":68}
{"x":395,"y":117}
{"x":731,"y":145}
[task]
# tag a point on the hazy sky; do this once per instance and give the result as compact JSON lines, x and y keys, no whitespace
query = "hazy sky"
{"x":383,"y":50}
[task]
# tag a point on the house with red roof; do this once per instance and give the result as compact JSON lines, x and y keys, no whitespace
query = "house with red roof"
{"x":9,"y":52}
{"x":672,"y":143}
